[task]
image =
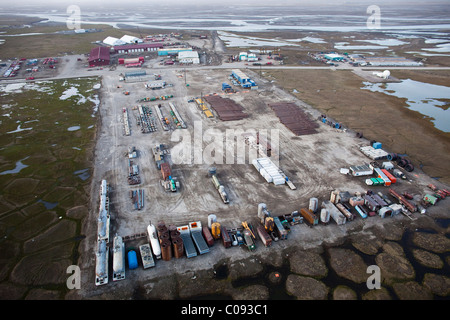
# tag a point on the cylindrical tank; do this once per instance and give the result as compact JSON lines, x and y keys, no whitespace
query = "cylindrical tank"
{"x":178,"y":248}
{"x":269,"y":224}
{"x":132,"y":260}
{"x":174,"y":234}
{"x":216,"y":181}
{"x":165,"y":236}
{"x":212,"y":171}
{"x":324,"y":216}
{"x":262,"y":211}
{"x":211,"y":219}
{"x":153,"y":239}
{"x":166,"y":250}
{"x":313,"y":204}
{"x":215,"y":230}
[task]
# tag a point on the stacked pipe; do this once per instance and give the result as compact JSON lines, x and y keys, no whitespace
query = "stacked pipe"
{"x":411,"y":207}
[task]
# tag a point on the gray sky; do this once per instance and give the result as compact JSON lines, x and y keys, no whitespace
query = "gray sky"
{"x":223,"y":3}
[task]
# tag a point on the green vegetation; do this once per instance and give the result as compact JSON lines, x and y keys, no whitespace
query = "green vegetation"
{"x":34,"y":222}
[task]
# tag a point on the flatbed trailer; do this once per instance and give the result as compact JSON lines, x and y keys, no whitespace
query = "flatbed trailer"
{"x":199,"y":241}
{"x":188,"y":244}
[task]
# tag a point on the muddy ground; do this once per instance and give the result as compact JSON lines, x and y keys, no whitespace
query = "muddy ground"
{"x":378,"y":116}
{"x":312,"y":162}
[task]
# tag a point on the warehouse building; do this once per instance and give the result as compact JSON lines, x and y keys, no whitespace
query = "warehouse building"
{"x":132,"y":48}
{"x":392,"y":62}
{"x":99,"y":56}
{"x":130,"y":39}
{"x":334,"y":57}
{"x":172,"y":51}
{"x":188,"y":57}
{"x":112,"y":41}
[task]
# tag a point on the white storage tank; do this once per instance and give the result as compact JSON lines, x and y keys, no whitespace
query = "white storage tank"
{"x":324,"y":215}
{"x":154,"y":242}
{"x":313,"y":204}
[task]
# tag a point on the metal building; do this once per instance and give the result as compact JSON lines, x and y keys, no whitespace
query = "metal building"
{"x":99,"y":56}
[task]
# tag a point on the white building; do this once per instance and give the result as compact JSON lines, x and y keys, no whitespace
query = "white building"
{"x":188,"y":57}
{"x":130,"y":39}
{"x":111,"y":41}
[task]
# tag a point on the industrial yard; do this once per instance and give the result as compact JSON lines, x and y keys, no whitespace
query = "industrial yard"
{"x":311,"y":159}
{"x":224,"y":171}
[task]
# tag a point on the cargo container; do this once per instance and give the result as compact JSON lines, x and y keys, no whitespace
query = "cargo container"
{"x":264,"y":236}
{"x":226,"y":240}
{"x":389,"y":175}
{"x":207,"y":235}
{"x":313,"y":204}
{"x":344,"y":211}
{"x":354,"y":201}
{"x":361,"y":211}
{"x":309,"y":217}
{"x":279,"y":229}
{"x":334,"y":213}
{"x":382,"y":176}
{"x":132,"y":260}
{"x":165,"y":170}
{"x":430,"y":199}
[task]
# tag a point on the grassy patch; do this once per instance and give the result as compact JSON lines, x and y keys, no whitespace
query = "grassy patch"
{"x":48,"y":151}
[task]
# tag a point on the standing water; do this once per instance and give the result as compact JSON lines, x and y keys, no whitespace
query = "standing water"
{"x":422,"y":97}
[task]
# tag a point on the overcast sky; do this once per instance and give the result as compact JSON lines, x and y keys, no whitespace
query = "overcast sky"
{"x":60,"y":3}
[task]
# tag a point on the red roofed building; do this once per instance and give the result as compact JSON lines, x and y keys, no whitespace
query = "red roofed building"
{"x":99,"y":56}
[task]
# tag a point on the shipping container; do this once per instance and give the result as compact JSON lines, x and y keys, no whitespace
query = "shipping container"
{"x":226,"y":240}
{"x":309,"y":217}
{"x":165,"y":170}
{"x":382,"y":176}
{"x":264,"y":236}
{"x":361,"y":211}
{"x":279,"y":229}
{"x":389,"y":175}
{"x":334,"y":213}
{"x":313,"y":204}
{"x":344,"y":211}
{"x":207,"y":235}
{"x":132,"y":260}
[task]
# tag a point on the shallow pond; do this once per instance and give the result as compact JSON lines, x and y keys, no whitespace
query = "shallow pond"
{"x":422,"y":97}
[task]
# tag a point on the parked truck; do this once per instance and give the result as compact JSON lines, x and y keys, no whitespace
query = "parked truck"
{"x":220,"y":188}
